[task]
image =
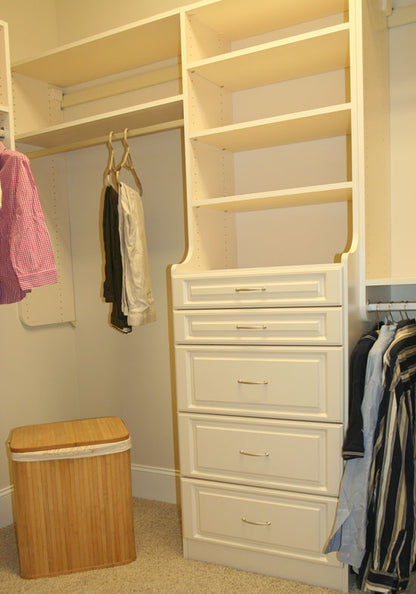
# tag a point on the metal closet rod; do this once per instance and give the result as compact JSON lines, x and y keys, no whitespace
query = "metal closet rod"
{"x":73,"y":146}
{"x":392,"y":306}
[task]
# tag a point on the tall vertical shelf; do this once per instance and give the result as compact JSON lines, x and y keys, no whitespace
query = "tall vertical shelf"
{"x":6,"y":102}
{"x":279,"y":149}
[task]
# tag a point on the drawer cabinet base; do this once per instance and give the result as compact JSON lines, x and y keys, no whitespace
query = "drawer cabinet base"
{"x":276,"y":533}
{"x":267,"y":564}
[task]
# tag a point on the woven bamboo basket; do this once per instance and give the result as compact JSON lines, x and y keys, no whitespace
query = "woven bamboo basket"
{"x":72,"y":496}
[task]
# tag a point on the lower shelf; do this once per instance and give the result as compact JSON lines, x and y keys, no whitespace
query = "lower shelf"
{"x":337,"y":192}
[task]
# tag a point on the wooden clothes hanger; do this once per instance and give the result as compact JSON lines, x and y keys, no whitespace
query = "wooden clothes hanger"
{"x":109,"y":170}
{"x":127,"y":163}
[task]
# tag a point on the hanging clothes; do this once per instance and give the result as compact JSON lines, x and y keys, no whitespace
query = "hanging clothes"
{"x":350,"y":528}
{"x":137,"y":295}
{"x":26,"y":256}
{"x":113,"y":281}
{"x":391,"y":534}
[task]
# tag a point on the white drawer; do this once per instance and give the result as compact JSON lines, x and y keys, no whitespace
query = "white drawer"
{"x":302,"y":326}
{"x":287,"y":382}
{"x":284,"y":287}
{"x":291,"y":455}
{"x":290,"y":525}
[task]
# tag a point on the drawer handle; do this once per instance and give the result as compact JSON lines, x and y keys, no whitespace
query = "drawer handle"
{"x":263,"y":455}
{"x":260,"y":383}
{"x":243,"y":519}
{"x":253,"y":327}
{"x":247,"y":289}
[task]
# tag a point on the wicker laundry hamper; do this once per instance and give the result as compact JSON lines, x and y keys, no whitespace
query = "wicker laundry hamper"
{"x":72,"y":496}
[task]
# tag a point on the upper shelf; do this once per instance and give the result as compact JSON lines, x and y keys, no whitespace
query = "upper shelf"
{"x":236,"y":19}
{"x":294,"y":57}
{"x":143,"y":42}
{"x":147,"y":114}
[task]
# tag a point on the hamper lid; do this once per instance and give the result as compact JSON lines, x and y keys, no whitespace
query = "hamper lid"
{"x":68,"y":434}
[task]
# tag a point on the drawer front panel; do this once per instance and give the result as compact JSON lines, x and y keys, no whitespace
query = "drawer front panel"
{"x":285,"y":382}
{"x":253,"y":289}
{"x":310,"y":326}
{"x":288,"y":524}
{"x":279,"y":454}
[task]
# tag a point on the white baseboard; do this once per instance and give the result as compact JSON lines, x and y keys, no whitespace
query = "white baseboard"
{"x":6,"y":515}
{"x":148,"y":482}
{"x":153,"y":482}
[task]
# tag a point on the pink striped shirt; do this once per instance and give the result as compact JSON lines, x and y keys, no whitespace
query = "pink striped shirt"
{"x":26,"y":256}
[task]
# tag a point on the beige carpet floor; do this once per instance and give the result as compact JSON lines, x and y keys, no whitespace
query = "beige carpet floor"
{"x":159,"y":567}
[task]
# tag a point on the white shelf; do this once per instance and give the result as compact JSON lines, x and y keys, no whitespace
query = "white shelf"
{"x":147,"y":114}
{"x":298,"y":127}
{"x":280,"y":199}
{"x":236,"y":19}
{"x":146,"y":41}
{"x":393,"y":282}
{"x":302,"y":55}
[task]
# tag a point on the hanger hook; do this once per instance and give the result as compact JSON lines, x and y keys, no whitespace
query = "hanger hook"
{"x":124,"y":139}
{"x":110,"y":164}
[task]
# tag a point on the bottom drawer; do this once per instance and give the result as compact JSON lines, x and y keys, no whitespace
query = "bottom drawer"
{"x":286,"y":524}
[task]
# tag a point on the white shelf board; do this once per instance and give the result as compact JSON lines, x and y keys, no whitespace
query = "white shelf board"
{"x":393,"y":282}
{"x":294,"y":57}
{"x":236,"y":18}
{"x":298,"y":127}
{"x":147,"y":114}
{"x":321,"y":194}
{"x":4,"y":108}
{"x":143,"y":42}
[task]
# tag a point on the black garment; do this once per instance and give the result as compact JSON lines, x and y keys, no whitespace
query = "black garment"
{"x":113,"y":280}
{"x":353,"y":446}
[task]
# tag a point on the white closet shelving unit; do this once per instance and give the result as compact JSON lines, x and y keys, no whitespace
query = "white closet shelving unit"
{"x":281,"y":161}
{"x":284,"y":107}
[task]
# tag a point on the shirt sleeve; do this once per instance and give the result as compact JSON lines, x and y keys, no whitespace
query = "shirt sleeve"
{"x":30,"y":246}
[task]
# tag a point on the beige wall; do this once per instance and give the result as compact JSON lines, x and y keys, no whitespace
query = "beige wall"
{"x":37,"y":366}
{"x":32,"y":26}
{"x":403,"y":145}
{"x":128,"y":375}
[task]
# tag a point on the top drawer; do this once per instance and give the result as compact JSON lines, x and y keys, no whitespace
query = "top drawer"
{"x":301,"y":286}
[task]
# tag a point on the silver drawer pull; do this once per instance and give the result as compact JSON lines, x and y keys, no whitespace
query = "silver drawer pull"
{"x":247,"y":289}
{"x":262,"y":455}
{"x":253,"y":327}
{"x":243,"y":519}
{"x":260,"y":383}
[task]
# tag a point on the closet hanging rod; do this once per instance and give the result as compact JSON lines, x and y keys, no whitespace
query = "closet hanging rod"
{"x":65,"y":148}
{"x":392,"y":306}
